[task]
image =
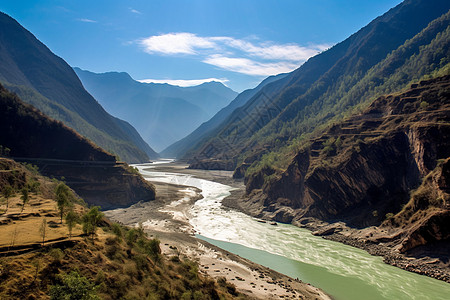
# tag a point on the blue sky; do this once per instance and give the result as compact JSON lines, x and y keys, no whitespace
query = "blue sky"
{"x":237,"y":42}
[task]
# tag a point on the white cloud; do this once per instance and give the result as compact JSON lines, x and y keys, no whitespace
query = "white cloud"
{"x":87,"y":20}
{"x":176,"y":43}
{"x":272,"y":51}
{"x":238,"y":55}
{"x":135,"y":11}
{"x":184,"y":82}
{"x":250,"y":67}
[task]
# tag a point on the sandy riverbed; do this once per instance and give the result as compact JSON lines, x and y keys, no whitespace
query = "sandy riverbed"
{"x":167,"y":218}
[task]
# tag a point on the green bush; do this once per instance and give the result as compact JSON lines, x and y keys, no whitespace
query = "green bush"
{"x":73,"y":286}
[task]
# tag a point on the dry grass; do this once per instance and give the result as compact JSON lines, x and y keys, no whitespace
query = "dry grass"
{"x":120,"y":267}
{"x":23,"y":227}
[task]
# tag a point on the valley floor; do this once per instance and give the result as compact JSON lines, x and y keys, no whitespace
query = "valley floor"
{"x":432,"y":261}
{"x":177,"y":236}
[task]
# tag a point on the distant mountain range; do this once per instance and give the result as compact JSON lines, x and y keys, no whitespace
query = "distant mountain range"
{"x":39,"y":77}
{"x":180,"y":149}
{"x":162,"y":113}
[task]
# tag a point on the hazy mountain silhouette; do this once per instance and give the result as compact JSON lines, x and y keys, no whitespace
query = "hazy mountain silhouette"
{"x":162,"y":113}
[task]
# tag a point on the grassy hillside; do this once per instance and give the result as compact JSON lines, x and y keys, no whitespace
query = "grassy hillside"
{"x":42,"y":259}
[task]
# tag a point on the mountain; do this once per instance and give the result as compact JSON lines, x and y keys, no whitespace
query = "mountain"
{"x":330,"y":86}
{"x":368,"y":162}
{"x":181,"y":148}
{"x":46,"y":81}
{"x":389,"y":165}
{"x":162,"y":113}
{"x":60,"y":152}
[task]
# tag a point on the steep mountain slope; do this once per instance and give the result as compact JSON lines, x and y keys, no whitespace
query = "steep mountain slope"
{"x":363,"y":169}
{"x":274,"y":122}
{"x":60,"y":152}
{"x":181,"y":148}
{"x":162,"y":113}
{"x":47,"y":82}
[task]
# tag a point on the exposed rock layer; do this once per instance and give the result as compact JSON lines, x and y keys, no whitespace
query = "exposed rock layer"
{"x":364,"y":168}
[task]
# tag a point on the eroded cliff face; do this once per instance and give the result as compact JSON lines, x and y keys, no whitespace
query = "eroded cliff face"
{"x":425,"y":218}
{"x":363,"y":168}
{"x":109,"y":185}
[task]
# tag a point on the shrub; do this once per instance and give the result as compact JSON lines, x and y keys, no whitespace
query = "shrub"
{"x":56,"y":254}
{"x":424,"y":104}
{"x":117,"y":230}
{"x":73,"y":286}
{"x":153,"y":249}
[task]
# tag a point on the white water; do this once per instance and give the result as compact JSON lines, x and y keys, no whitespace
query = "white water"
{"x":342,"y":271}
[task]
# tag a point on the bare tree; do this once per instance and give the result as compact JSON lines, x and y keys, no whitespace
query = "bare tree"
{"x":8,"y":191}
{"x":62,"y":198}
{"x":43,"y":230}
{"x":71,"y":221}
{"x":25,"y":197}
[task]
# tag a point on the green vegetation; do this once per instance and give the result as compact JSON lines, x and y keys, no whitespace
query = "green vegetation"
{"x":71,"y":220}
{"x":4,"y":151}
{"x":73,"y":286}
{"x":64,"y":198}
{"x":8,"y":191}
{"x":25,"y":197}
{"x":91,"y":220}
{"x":423,"y":57}
{"x":50,"y":84}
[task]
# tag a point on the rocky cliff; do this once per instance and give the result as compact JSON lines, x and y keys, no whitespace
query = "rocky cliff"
{"x":362,"y":170}
{"x":60,"y":152}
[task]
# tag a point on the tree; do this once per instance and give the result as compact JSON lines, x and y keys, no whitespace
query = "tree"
{"x":8,"y":191}
{"x":91,"y":220}
{"x":25,"y":197}
{"x":43,"y":230}
{"x":71,"y":221}
{"x":63,"y":195}
{"x":153,"y":249}
{"x":73,"y":287}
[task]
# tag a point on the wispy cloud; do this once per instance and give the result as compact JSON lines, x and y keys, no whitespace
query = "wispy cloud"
{"x":258,"y":58}
{"x":176,"y":43}
{"x":184,"y":83}
{"x":87,"y":20}
{"x":250,"y":67}
{"x":135,"y":11}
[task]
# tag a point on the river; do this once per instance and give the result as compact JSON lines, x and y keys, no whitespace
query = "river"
{"x":344,"y":272}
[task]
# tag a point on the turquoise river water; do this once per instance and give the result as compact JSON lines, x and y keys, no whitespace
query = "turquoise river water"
{"x":344,"y":272}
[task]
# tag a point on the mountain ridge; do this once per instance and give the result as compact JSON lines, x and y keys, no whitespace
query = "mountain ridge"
{"x":181,"y":148}
{"x":162,"y":113}
{"x":26,"y":62}
{"x":275,"y":120}
{"x":60,"y":152}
